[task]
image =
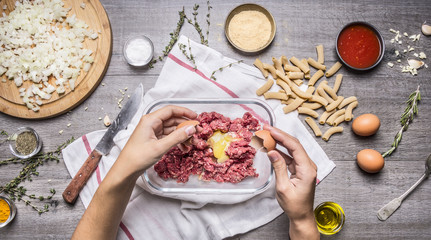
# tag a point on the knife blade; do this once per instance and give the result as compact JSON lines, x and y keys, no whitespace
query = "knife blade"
{"x":104,"y":146}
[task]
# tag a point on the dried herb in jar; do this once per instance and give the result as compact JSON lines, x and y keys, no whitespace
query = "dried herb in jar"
{"x":25,"y":143}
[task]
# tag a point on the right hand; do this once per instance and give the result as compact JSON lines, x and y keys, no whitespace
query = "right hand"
{"x":295,"y":194}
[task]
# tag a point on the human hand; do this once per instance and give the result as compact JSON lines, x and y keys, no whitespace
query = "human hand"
{"x":154,"y":135}
{"x":295,"y":194}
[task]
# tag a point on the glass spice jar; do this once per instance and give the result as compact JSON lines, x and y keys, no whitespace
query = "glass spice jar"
{"x":25,"y":143}
{"x":7,"y":211}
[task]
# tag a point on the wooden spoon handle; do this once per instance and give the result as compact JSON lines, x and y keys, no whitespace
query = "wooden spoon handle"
{"x":72,"y":191}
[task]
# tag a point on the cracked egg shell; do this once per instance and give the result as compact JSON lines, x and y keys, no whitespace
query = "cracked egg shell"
{"x":268,"y":141}
{"x":187,"y":123}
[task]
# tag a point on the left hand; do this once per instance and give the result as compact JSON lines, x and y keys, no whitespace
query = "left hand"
{"x":155,"y":134}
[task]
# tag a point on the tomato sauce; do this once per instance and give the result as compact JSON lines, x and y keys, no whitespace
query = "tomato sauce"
{"x":359,"y":46}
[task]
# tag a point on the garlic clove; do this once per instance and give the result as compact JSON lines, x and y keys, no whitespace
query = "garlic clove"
{"x":107,"y":121}
{"x":426,"y":29}
{"x":416,"y":64}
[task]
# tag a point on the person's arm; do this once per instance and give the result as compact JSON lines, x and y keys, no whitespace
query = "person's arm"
{"x":295,"y":194}
{"x":154,"y":136}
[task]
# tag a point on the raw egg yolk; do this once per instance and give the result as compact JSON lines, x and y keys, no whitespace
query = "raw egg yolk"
{"x":219,"y":143}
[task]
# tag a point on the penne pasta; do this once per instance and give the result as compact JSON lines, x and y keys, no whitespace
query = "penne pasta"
{"x":298,"y":82}
{"x":293,"y":106}
{"x":337,"y":83}
{"x":290,"y":68}
{"x":347,"y":101}
{"x":275,"y":95}
{"x":299,"y":64}
{"x":334,"y":104}
{"x":289,"y":101}
{"x":318,"y":99}
{"x":284,"y":86}
{"x":304,"y":61}
{"x":271,"y":69}
{"x":330,"y":91}
{"x":316,"y":64}
{"x":316,"y":76}
{"x":348,"y":115}
{"x":324,"y":116}
{"x":300,"y":93}
{"x":320,"y":55}
{"x":277,"y":64}
{"x":312,"y":124}
{"x":330,"y":132}
{"x":339,"y":120}
{"x":259,"y":65}
{"x":333,"y":69}
{"x":323,"y":94}
{"x":334,"y":116}
{"x":307,"y":111}
{"x":295,"y":75}
{"x":312,"y":106}
{"x":284,"y":60}
{"x":265,"y":87}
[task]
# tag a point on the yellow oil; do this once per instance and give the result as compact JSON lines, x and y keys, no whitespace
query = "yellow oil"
{"x":329,"y":218}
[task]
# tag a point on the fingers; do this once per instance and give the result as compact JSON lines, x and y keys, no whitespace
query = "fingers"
{"x":173,"y":111}
{"x":280,"y":168}
{"x":176,"y":137}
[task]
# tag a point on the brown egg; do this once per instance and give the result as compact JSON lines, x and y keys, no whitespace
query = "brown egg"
{"x":187,"y":123}
{"x":370,"y":160}
{"x":366,"y":125}
{"x":268,"y":141}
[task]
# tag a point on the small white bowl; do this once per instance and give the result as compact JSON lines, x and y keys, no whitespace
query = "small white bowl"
{"x":134,"y":51}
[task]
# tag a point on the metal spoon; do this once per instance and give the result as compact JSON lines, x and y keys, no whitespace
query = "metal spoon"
{"x":386,"y":211}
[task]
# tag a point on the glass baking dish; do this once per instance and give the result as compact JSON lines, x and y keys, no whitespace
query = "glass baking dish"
{"x":232,"y":108}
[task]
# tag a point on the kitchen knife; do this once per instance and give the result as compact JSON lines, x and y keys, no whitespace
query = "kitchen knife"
{"x":103,"y":147}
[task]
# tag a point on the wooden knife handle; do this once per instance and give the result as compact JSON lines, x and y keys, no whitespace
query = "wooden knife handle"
{"x":72,"y":191}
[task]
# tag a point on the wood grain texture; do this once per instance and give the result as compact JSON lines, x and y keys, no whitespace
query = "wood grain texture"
{"x":96,"y":18}
{"x":301,"y":25}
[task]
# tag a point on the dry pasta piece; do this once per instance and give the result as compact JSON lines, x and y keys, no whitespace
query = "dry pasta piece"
{"x":316,"y":64}
{"x":276,"y":95}
{"x":295,"y":75}
{"x":277,"y":64}
{"x":307,"y":111}
{"x":347,"y":101}
{"x":323,"y":94}
{"x":271,"y":69}
{"x":325,"y":116}
{"x":300,"y":93}
{"x":259,"y":65}
{"x":294,"y":105}
{"x":290,"y":68}
{"x":348,"y":115}
{"x":265,"y":87}
{"x":330,"y":91}
{"x":284,"y":86}
{"x":288,"y":101}
{"x":334,"y":116}
{"x":312,"y":124}
{"x":320,"y":55}
{"x":298,"y":82}
{"x":299,"y":64}
{"x":313,"y":106}
{"x":304,"y":61}
{"x":318,"y":99}
{"x":334,"y":104}
{"x":283,"y":77}
{"x":331,"y":131}
{"x":316,"y":76}
{"x":333,"y":69}
{"x":339,"y":120}
{"x":337,"y":83}
{"x":284,"y":60}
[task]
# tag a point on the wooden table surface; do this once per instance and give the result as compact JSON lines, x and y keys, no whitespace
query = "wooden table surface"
{"x":301,"y":25}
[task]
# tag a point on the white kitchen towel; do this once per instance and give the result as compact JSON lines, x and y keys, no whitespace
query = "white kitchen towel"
{"x":150,"y":216}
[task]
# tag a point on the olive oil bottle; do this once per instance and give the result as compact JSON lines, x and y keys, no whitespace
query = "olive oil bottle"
{"x":329,"y":218}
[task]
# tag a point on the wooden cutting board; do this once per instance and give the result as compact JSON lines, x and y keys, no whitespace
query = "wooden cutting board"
{"x":96,"y":18}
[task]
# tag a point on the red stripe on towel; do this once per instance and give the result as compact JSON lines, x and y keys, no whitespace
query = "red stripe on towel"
{"x":99,"y":180}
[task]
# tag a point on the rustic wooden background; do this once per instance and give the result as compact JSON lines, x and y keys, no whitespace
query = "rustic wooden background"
{"x":301,"y":25}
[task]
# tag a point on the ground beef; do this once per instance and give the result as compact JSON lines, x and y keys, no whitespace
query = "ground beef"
{"x":198,"y":159}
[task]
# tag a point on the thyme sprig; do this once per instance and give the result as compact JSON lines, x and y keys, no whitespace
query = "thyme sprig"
{"x":16,"y":192}
{"x":222,"y":68}
{"x":188,"y":55}
{"x":406,"y":118}
{"x":196,"y":25}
